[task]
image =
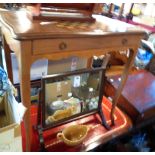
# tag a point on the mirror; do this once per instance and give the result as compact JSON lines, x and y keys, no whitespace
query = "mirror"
{"x":70,"y":95}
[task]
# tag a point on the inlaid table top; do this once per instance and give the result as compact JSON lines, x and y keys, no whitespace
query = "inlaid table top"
{"x":22,"y":27}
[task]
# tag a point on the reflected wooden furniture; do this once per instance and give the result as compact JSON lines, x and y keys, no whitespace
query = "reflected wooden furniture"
{"x":33,"y":40}
{"x":137,"y":98}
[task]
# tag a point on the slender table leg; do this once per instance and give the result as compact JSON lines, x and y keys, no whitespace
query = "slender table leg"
{"x":24,"y":60}
{"x":123,"y":81}
{"x":7,"y":58}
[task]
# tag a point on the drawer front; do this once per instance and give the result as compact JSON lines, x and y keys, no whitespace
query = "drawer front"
{"x":45,"y":46}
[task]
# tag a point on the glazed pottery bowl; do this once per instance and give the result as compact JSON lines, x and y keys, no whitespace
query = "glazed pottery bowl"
{"x":61,"y":114}
{"x":73,"y":135}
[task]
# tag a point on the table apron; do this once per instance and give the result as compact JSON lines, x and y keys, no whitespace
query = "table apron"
{"x":47,"y":46}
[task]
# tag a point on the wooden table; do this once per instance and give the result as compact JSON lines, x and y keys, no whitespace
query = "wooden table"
{"x":33,"y":40}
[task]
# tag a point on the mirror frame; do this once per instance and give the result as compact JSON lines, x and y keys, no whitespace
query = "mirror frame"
{"x":100,"y":70}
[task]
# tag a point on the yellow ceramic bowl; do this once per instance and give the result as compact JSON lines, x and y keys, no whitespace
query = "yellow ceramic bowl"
{"x":73,"y":135}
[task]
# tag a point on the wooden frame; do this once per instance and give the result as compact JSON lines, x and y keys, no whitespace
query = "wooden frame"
{"x":101,"y":72}
{"x":41,"y":126}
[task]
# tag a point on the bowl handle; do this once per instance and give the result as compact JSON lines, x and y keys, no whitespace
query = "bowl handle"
{"x":60,"y":136}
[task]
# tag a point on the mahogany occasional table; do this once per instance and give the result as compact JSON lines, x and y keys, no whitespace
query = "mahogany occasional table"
{"x":52,"y":40}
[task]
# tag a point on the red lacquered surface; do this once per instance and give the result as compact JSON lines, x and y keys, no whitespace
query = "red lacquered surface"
{"x":139,"y":90}
{"x":138,"y":97}
{"x":96,"y":136}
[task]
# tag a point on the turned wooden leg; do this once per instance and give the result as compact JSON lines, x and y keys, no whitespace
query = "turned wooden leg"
{"x":123,"y":81}
{"x":24,"y":61}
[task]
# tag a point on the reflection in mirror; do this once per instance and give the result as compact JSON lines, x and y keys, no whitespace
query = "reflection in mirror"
{"x":66,"y":96}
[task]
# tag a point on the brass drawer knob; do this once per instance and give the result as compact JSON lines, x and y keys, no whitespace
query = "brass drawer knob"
{"x":124,"y":41}
{"x":62,"y":46}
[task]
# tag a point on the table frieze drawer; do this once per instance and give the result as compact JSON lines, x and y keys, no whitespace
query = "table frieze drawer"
{"x":43,"y":46}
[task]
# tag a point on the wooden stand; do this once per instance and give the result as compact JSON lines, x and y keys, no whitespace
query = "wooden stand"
{"x":41,"y":126}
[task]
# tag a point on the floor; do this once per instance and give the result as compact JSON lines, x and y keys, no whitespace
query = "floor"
{"x":142,"y":140}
